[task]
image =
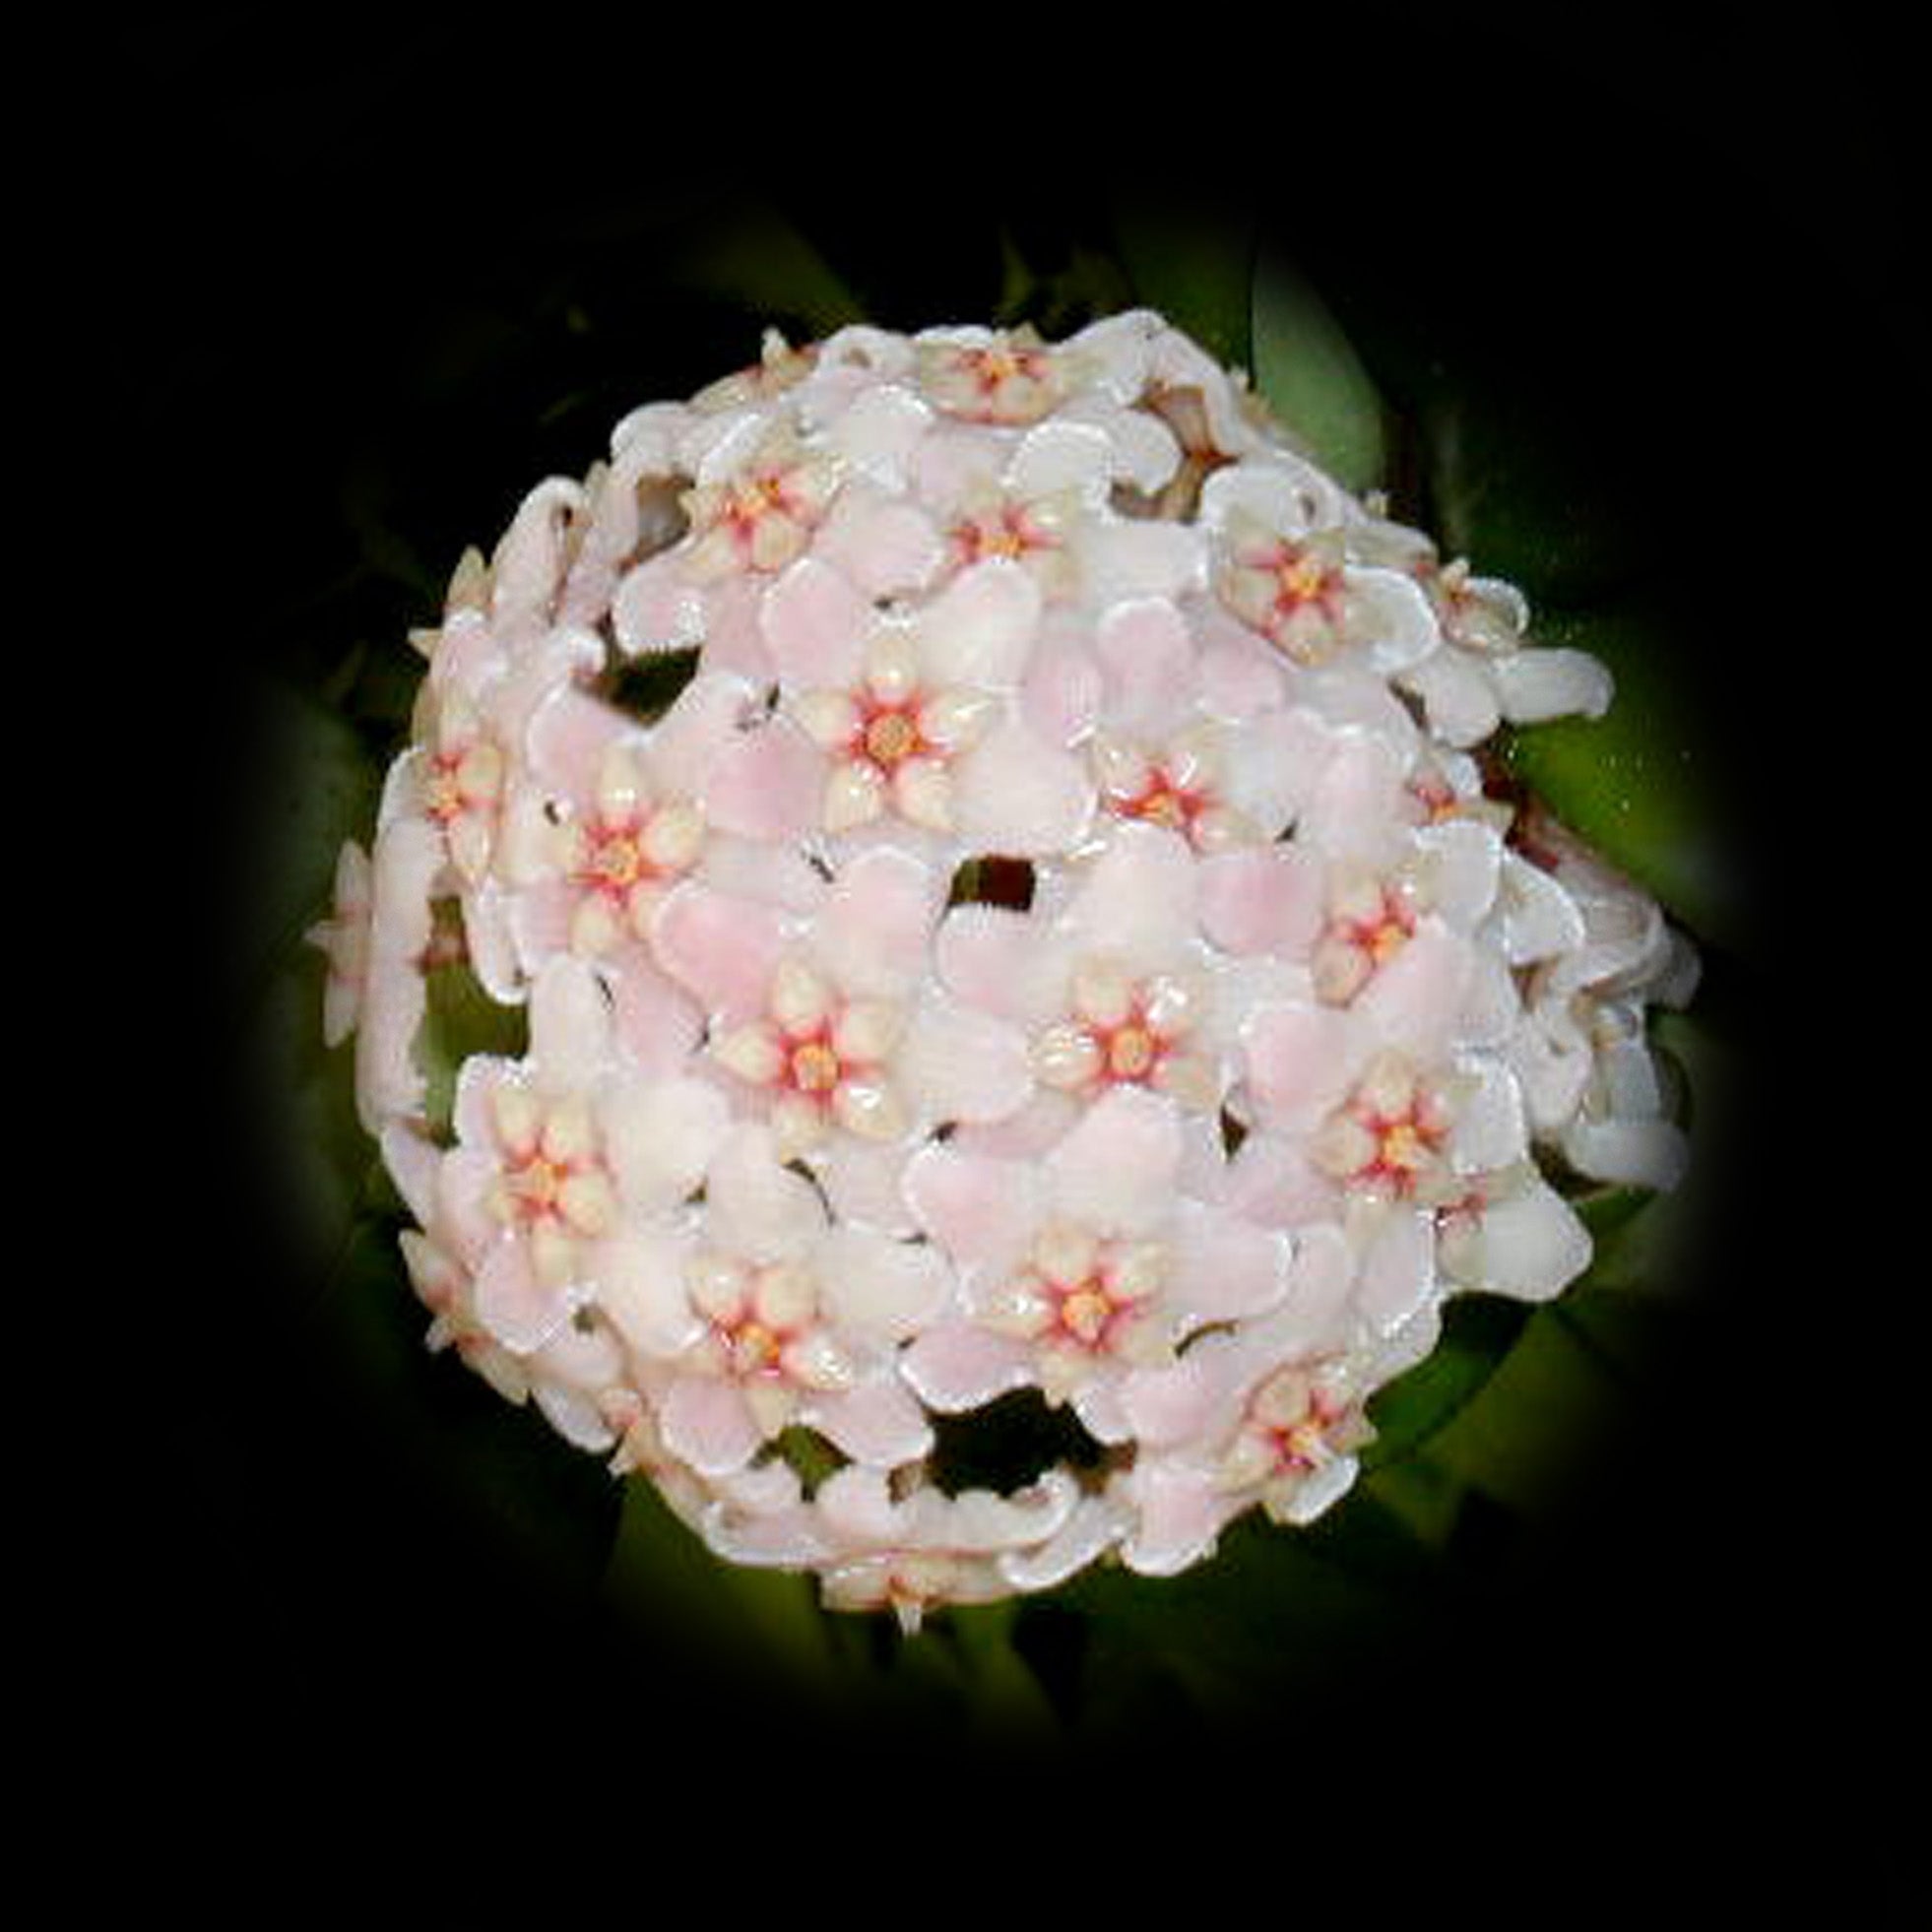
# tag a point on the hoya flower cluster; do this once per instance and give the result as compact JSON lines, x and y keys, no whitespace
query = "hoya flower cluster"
{"x":1058,"y":937}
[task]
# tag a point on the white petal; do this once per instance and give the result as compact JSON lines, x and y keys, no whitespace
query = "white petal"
{"x":1015,"y":794}
{"x":1414,"y":1002}
{"x":570,"y":1022}
{"x":1637,"y":1153}
{"x":1389,"y":611}
{"x":960,"y":1064}
{"x":877,"y":1423}
{"x":1528,"y":1244}
{"x":1114,"y":1169}
{"x":517,"y":1309}
{"x":659,"y":1139}
{"x":980,"y":628}
{"x":978,"y":1210}
{"x":1130,"y":558}
{"x":1458,"y":694}
{"x":1059,"y":455}
{"x":1490,"y":1130}
{"x":956,"y":1366}
{"x":1180,"y":1515}
{"x":656,"y":609}
{"x":875,"y":930}
{"x":1094,"y":1525}
{"x":757,"y":1208}
{"x":1538,"y":919}
{"x":1225,"y":1269}
{"x":640,"y":1286}
{"x":1138,"y":898}
{"x":814,"y":624}
{"x":1398,"y":1271}
{"x":1539,"y":683}
{"x":1461,"y":868}
{"x":707,"y":1423}
{"x":880,"y":1289}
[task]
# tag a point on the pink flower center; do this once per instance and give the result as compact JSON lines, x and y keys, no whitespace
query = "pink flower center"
{"x":461,"y":779}
{"x":1167,"y":801}
{"x":749,"y":502}
{"x":1382,"y":934}
{"x":1299,"y":580}
{"x":534,"y":1184}
{"x":1305,"y":1443}
{"x":1407,"y":1143}
{"x":996,"y":371}
{"x":1010,"y":531}
{"x":614,"y":857}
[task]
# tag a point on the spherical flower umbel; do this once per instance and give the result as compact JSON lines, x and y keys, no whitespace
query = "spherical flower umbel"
{"x":1048,"y":934}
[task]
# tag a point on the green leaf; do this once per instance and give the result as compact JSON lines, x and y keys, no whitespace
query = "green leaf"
{"x":1516,"y":505}
{"x":729,"y":1622}
{"x":1478,"y":1332}
{"x":1546,"y":1420}
{"x":329,"y":1172}
{"x":1277,"y":1615}
{"x":1308,"y":372}
{"x":1195,"y":269}
{"x":460,"y":1019}
{"x":1641,"y":784}
{"x":1058,"y":299}
{"x":320,"y":787}
{"x":764,"y":263}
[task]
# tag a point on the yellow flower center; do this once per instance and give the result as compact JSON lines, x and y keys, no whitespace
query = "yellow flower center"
{"x":1130,"y":1052}
{"x":1302,"y":580}
{"x":815,"y":1067}
{"x":891,"y":737}
{"x":616,"y":860}
{"x":1086,"y":1311}
{"x":755,"y":1347}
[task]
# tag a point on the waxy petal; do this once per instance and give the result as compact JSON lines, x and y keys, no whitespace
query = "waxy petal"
{"x":1019,"y":797}
{"x":518,"y":1310}
{"x":877,"y":1423}
{"x":978,"y":1210}
{"x":721,"y":948}
{"x":660,"y":1136}
{"x":979,"y":630}
{"x":955,"y":1366}
{"x":815,"y":624}
{"x":960,"y":1064}
{"x":705,"y":1421}
{"x":1265,"y":899}
{"x":1114,"y":1171}
{"x":767,"y":783}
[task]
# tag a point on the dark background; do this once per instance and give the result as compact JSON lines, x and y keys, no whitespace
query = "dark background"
{"x":364,"y":274}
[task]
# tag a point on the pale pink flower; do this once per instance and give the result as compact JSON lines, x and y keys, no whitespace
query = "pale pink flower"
{"x":994,"y":375}
{"x":1082,"y":1268}
{"x":807,"y":1012}
{"x":1114,"y":987}
{"x":553,"y":1151}
{"x":896,"y":706}
{"x":766,"y":1314}
{"x":909,"y":1555}
{"x":343,"y":939}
